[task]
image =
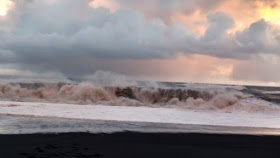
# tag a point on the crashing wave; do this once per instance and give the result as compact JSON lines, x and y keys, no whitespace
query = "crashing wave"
{"x":228,"y":100}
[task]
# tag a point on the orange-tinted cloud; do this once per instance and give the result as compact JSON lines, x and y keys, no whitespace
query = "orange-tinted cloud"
{"x":270,"y":10}
{"x":193,"y":14}
{"x":5,"y":5}
{"x":243,"y":12}
{"x":112,"y":5}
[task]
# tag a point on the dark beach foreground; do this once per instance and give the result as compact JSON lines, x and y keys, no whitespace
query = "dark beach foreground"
{"x":138,"y":145}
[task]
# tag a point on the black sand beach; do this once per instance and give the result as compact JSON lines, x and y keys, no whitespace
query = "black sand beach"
{"x":139,"y":145}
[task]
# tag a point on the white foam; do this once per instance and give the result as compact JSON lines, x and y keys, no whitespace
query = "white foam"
{"x":271,"y":92}
{"x":140,"y":114}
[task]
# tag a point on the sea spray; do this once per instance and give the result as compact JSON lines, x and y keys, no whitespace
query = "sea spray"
{"x":228,"y":100}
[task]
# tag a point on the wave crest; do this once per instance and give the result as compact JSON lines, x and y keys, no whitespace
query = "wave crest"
{"x":85,"y":93}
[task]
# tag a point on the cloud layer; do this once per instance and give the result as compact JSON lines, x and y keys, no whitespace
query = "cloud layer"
{"x":54,"y":35}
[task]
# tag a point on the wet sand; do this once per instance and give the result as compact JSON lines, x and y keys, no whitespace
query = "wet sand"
{"x":139,"y":145}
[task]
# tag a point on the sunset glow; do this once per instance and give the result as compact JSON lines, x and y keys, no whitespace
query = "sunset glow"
{"x":270,"y":12}
{"x":272,"y":15}
{"x":5,"y":5}
{"x":111,"y":5}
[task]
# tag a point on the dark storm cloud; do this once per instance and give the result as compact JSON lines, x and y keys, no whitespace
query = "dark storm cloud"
{"x":43,"y":35}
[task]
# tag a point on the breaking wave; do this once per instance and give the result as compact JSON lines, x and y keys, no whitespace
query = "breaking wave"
{"x":228,"y":100}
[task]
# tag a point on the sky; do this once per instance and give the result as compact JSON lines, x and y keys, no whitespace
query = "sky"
{"x":204,"y":41}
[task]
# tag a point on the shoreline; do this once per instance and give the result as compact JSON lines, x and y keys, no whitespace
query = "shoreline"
{"x":141,"y":114}
{"x":34,"y":125}
{"x":135,"y":144}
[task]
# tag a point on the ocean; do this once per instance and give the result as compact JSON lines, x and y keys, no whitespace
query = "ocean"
{"x":40,"y":107}
{"x":137,"y":119}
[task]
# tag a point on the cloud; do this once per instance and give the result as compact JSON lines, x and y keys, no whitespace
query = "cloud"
{"x":63,"y":34}
{"x":219,"y":24}
{"x":109,"y":4}
{"x":258,"y":38}
{"x":165,"y":8}
{"x":42,"y":33}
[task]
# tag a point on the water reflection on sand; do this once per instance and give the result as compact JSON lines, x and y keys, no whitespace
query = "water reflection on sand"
{"x":30,"y":125}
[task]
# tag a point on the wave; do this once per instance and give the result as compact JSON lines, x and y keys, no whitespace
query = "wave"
{"x":228,"y":100}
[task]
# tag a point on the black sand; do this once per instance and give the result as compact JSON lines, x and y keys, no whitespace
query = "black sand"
{"x":139,"y":145}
